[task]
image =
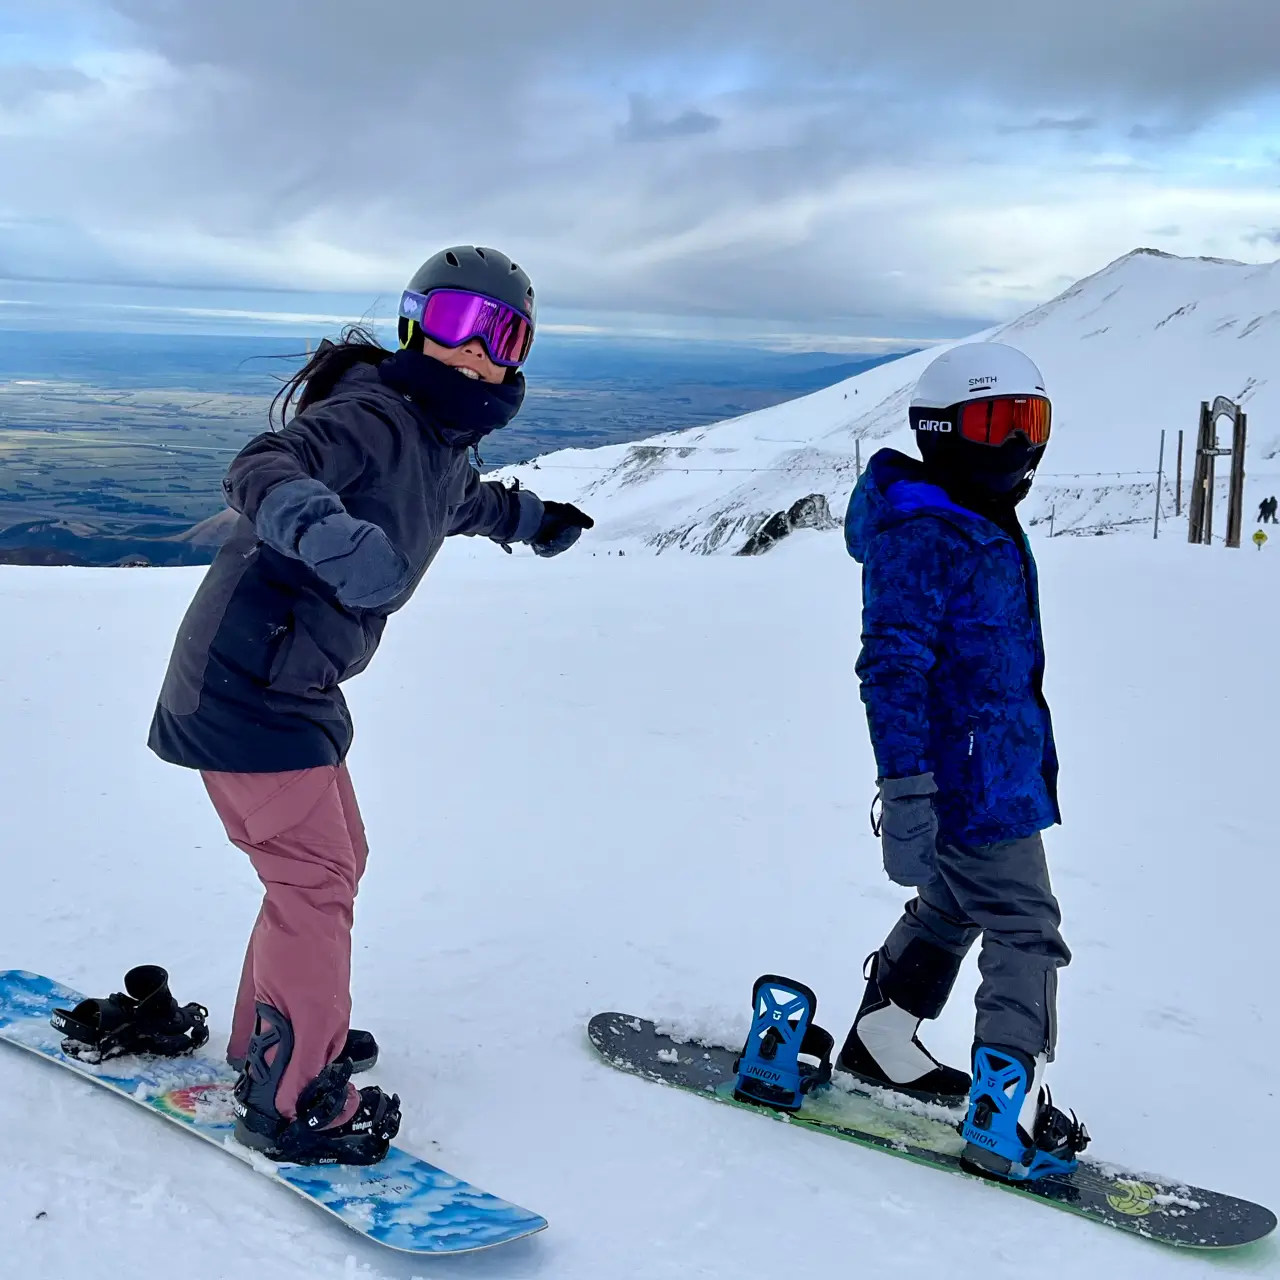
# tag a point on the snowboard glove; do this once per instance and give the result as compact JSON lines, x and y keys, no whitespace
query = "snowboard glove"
{"x":908,"y":829}
{"x":562,"y":525}
{"x":305,"y":520}
{"x":356,"y":559}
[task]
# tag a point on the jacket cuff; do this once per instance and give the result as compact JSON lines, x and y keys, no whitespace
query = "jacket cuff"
{"x":920,"y":784}
{"x":530,"y":519}
{"x":288,"y":510}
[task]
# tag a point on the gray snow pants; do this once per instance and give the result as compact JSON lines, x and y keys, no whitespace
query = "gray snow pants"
{"x":1002,"y":892}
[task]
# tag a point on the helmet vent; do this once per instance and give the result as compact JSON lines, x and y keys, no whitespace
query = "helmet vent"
{"x":452,"y":259}
{"x":480,"y":253}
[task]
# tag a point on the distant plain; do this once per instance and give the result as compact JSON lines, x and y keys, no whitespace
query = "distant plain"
{"x":129,"y":434}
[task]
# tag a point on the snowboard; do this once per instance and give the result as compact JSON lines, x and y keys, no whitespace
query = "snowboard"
{"x":1155,"y":1208}
{"x":401,"y":1202}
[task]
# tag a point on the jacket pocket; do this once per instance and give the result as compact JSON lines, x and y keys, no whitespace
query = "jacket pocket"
{"x":300,"y":668}
{"x":316,"y":655}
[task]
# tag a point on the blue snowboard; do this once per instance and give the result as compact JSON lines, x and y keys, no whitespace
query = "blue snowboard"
{"x":403,"y":1202}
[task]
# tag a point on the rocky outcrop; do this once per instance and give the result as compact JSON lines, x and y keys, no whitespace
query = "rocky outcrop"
{"x":813,"y":512}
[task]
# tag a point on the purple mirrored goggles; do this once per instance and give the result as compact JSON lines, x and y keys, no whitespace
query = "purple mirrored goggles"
{"x":453,"y":317}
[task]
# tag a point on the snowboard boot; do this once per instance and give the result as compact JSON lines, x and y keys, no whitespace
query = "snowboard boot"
{"x":312,"y":1137}
{"x":144,"y":1018}
{"x":361,"y":1050}
{"x":883,"y":1046}
{"x":1013,"y":1131}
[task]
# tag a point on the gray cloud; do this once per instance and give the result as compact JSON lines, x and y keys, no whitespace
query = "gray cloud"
{"x":644,"y":124}
{"x":23,"y":82}
{"x":1271,"y":236}
{"x":1053,"y":124}
{"x":1164,"y":131}
{"x":324,"y":145}
{"x":1094,"y":48}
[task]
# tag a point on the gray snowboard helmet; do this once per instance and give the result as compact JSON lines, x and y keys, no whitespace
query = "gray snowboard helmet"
{"x":478,"y":270}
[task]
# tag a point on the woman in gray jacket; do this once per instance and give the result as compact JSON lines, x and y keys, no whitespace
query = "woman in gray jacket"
{"x":341,"y":513}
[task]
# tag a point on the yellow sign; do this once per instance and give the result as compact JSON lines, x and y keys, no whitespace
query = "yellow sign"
{"x":1259,"y":539}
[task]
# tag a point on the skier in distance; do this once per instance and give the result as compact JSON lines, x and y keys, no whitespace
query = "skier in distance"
{"x":341,"y":513}
{"x":951,"y":668}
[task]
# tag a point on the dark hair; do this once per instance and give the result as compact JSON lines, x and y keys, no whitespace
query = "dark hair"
{"x":318,"y":377}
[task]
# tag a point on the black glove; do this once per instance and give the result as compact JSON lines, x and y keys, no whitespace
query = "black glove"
{"x":562,"y":525}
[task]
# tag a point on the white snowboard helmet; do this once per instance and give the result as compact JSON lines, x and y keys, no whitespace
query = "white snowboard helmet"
{"x":981,"y":417}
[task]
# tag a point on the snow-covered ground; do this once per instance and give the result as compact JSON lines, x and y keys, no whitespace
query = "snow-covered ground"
{"x":637,"y":783}
{"x":1128,"y":352}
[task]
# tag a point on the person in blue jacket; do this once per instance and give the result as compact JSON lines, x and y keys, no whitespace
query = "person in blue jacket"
{"x":951,"y":675}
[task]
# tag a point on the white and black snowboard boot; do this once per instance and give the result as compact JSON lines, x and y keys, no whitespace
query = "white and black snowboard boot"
{"x":883,"y":1046}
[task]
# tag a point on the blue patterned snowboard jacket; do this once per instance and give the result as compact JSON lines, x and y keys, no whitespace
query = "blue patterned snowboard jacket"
{"x":952,"y":654}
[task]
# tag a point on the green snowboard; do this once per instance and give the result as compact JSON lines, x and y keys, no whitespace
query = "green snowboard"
{"x":1157,"y":1209}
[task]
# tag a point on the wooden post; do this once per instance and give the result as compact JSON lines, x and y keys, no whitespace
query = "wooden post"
{"x":857,"y":458}
{"x":1155,"y":533}
{"x":1053,"y":511}
{"x":1235,"y":503}
{"x":1177,"y":496}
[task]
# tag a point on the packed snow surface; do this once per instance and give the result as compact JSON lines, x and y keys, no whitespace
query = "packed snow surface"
{"x":604,"y":783}
{"x":1126,"y":353}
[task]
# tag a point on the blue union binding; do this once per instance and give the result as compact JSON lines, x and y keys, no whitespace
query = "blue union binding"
{"x":996,"y":1143}
{"x":770,"y":1070}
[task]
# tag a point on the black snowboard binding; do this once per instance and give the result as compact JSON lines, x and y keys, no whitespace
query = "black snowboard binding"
{"x":360,"y":1050}
{"x":144,"y":1018}
{"x":363,"y":1139}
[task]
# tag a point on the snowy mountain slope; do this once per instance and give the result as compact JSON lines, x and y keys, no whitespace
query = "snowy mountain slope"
{"x":679,"y":803}
{"x":1126,"y":352}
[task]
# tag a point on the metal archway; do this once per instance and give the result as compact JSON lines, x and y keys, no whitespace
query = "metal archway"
{"x":1208,"y":450}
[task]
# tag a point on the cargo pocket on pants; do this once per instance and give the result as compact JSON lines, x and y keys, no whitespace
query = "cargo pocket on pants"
{"x":289,"y":805}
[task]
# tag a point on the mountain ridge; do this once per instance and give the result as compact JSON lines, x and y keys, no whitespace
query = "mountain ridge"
{"x":1127,"y":351}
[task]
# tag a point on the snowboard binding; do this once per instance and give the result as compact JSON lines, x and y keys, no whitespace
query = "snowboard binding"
{"x":1013,"y":1131}
{"x":770,"y":1071}
{"x":312,"y":1136}
{"x":144,"y":1018}
{"x":360,"y":1050}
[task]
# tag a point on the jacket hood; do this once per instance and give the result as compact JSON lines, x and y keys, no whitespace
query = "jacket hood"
{"x":895,"y":488}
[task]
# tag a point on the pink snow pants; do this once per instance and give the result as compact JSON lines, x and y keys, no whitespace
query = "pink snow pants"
{"x":303,"y":833}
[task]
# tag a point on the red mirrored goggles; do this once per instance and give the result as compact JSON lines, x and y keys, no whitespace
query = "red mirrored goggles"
{"x":453,"y":317}
{"x":994,"y":420}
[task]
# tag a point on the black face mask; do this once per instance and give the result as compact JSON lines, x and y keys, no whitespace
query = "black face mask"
{"x":981,"y":474}
{"x":462,"y":410}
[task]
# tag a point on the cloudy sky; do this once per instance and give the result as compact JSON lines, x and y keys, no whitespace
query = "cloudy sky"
{"x":821,"y":172}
